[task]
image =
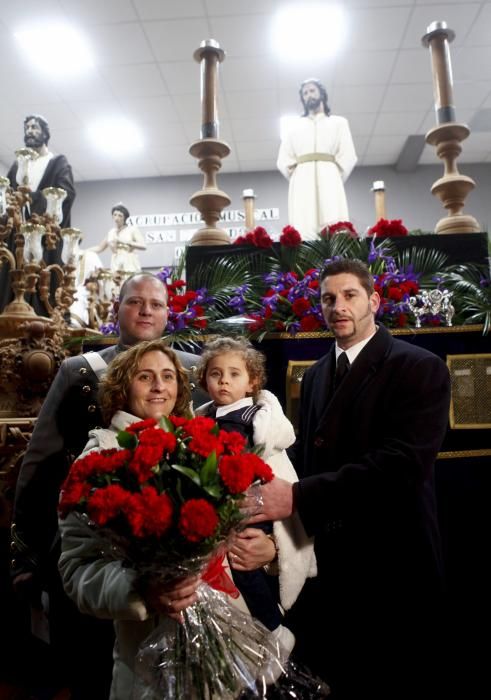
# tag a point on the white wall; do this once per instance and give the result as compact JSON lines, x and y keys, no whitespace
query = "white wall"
{"x":408,"y":196}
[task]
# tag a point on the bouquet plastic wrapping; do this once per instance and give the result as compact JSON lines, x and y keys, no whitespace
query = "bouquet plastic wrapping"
{"x":164,"y":505}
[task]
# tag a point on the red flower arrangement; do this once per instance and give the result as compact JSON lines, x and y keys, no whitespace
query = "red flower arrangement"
{"x":394,"y":289}
{"x":170,"y":486}
{"x":390,"y":228}
{"x":289,"y":304}
{"x":258,"y":237}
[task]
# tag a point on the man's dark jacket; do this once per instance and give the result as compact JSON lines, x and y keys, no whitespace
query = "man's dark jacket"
{"x":367,"y":495}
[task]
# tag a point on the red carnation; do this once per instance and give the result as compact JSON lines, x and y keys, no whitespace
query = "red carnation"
{"x":340,"y":227}
{"x":261,"y":470}
{"x":233,"y":442}
{"x":106,"y":503}
{"x":310,"y":323}
{"x":198,"y":520}
{"x":71,"y":497}
{"x":176,"y":284}
{"x":395,"y":293}
{"x":261,"y":238}
{"x":384,"y":227}
{"x":142,"y":463}
{"x":204,"y":443}
{"x":258,"y":323}
{"x":141,"y":425}
{"x":160,"y":439}
{"x":410,"y":287}
{"x":199,"y":424}
{"x":300,"y":307}
{"x":236,"y":472}
{"x":149,"y":513}
{"x":178,"y":422}
{"x":290,"y":237}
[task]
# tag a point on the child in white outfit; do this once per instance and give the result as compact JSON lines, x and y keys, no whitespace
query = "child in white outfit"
{"x":233,"y":373}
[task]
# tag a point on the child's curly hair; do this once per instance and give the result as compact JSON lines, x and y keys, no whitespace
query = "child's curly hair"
{"x":255,"y":361}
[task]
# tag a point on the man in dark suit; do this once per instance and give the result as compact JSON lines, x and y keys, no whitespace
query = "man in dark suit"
{"x":373,"y":415}
{"x":69,"y":411}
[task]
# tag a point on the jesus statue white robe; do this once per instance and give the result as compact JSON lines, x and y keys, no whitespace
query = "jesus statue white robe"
{"x":317,"y":157}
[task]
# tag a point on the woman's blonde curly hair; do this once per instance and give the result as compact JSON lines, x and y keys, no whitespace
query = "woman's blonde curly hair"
{"x":114,"y":387}
{"x":255,"y":361}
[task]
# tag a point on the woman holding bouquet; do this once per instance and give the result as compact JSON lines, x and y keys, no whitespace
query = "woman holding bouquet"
{"x":144,"y":384}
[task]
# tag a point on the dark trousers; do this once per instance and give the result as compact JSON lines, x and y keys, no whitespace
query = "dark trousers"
{"x":260,"y":591}
{"x":82,"y":646}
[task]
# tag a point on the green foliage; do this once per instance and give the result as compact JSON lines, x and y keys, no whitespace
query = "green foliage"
{"x":428,"y":262}
{"x":471,"y":287}
{"x":469,"y":283}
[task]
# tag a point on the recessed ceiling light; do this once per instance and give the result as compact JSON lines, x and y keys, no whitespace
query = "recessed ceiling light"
{"x":307,"y":32}
{"x":116,"y":137}
{"x":57,"y":50}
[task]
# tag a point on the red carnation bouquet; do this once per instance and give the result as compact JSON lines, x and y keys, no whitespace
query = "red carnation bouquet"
{"x":165,"y":504}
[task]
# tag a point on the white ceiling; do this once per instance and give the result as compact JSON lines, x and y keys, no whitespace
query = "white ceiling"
{"x":145,"y":71}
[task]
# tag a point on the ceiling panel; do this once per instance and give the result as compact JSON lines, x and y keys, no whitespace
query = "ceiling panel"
{"x":403,"y":98}
{"x":170,"y":9}
{"x":96,"y":12}
{"x":137,"y":80}
{"x":120,"y":44}
{"x":176,"y":40}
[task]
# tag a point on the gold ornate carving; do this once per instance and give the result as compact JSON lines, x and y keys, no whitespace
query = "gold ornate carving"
{"x":460,"y":454}
{"x":27,"y":367}
{"x":470,"y":375}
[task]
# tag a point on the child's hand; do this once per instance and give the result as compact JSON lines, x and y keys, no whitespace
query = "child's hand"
{"x":251,"y":549}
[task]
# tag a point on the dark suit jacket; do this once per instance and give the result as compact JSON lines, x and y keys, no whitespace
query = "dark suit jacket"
{"x":69,"y":411}
{"x":367,"y":494}
{"x":368,"y":454}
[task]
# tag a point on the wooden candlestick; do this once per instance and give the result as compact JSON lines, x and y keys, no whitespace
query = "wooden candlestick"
{"x":437,"y":38}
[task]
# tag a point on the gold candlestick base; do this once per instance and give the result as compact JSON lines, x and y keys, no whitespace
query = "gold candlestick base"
{"x":453,"y":187}
{"x":210,"y":200}
{"x":14,"y":318}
